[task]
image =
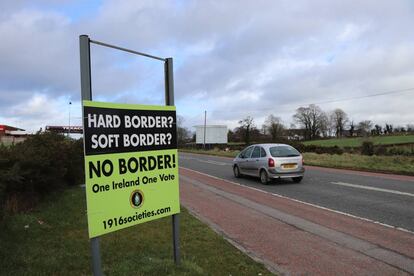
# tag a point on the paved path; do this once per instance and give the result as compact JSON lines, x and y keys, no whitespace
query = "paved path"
{"x":293,"y":237}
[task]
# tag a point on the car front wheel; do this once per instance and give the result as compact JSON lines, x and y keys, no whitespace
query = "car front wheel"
{"x":236,"y":172}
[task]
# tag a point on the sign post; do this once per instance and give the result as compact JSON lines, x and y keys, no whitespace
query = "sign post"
{"x":169,"y":100}
{"x":86,"y":92}
{"x":131,"y":159}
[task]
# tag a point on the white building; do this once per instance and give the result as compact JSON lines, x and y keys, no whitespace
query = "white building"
{"x":215,"y":134}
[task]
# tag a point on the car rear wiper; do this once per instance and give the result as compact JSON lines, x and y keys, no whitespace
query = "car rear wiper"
{"x":289,"y":155}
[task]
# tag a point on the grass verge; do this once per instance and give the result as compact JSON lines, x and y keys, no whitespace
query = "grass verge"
{"x":385,"y":164}
{"x":53,"y":240}
{"x":357,"y":141}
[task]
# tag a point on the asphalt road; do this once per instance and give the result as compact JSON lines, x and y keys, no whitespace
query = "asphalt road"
{"x":377,"y":198}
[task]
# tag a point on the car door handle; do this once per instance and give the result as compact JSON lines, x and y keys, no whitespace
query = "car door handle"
{"x":257,"y":160}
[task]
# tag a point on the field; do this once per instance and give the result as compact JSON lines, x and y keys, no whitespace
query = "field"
{"x":53,"y":240}
{"x":357,"y":141}
{"x":386,"y":164}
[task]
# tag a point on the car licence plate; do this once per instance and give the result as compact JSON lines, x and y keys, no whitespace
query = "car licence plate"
{"x":289,"y":166}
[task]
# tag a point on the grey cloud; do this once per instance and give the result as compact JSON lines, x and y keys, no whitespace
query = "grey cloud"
{"x":288,"y":53}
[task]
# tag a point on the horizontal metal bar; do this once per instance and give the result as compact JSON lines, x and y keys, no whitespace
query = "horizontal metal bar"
{"x":126,"y":50}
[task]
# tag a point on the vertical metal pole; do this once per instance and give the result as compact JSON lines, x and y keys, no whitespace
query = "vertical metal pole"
{"x":96,"y":257}
{"x":169,"y":82}
{"x":205,"y":122}
{"x":70,"y":103}
{"x":169,"y":100}
{"x":85,"y":67}
{"x":86,"y":91}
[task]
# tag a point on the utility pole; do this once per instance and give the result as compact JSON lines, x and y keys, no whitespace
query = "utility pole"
{"x":204,"y":136}
{"x":70,"y":103}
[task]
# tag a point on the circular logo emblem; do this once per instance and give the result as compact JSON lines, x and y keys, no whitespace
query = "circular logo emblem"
{"x":136,"y":199}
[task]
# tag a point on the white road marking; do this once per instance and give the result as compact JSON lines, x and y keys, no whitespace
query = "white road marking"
{"x":372,"y":188}
{"x":213,"y":162}
{"x":303,"y":202}
{"x":187,"y":158}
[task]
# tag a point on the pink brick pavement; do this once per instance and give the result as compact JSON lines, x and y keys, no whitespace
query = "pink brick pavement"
{"x":286,"y":248}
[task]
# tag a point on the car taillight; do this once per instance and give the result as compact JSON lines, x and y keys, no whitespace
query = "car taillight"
{"x":303,"y":161}
{"x":271,"y":162}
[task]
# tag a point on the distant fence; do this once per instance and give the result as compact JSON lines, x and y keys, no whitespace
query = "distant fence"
{"x":391,"y":149}
{"x":8,"y":140}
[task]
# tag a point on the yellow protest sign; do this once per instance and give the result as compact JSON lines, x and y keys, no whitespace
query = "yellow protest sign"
{"x":131,"y":164}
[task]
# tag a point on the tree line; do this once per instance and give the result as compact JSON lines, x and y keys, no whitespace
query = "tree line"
{"x":310,"y":123}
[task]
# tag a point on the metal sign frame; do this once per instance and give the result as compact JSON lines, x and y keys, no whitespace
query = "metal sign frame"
{"x":86,"y":93}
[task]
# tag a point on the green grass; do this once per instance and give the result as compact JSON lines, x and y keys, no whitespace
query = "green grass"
{"x":357,"y":141}
{"x":386,"y":164}
{"x":56,"y":243}
{"x":408,"y":149}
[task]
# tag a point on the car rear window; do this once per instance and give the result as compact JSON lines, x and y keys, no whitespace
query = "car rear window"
{"x":283,"y":151}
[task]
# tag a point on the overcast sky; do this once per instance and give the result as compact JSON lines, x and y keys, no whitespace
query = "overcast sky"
{"x":231,"y":58}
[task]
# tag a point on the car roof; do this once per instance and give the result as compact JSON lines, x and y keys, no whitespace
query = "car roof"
{"x":269,"y":145}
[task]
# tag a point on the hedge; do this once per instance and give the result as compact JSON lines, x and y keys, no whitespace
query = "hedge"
{"x":36,"y":167}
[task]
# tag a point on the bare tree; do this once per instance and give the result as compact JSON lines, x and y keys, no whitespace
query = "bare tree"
{"x":377,"y":130}
{"x":231,"y":137}
{"x":325,"y":125}
{"x":274,"y":126}
{"x":399,"y":129}
{"x":330,"y":126}
{"x":388,"y":128}
{"x":364,"y":127}
{"x":312,"y":119}
{"x":339,"y":120}
{"x":183,"y":134}
{"x":246,"y":126}
{"x":351,"y":128}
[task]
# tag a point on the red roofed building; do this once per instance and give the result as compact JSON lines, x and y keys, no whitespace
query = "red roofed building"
{"x":10,"y":134}
{"x":5,"y":129}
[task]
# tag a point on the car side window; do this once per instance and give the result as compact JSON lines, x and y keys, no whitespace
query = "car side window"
{"x":262,"y":152}
{"x":248,"y":152}
{"x":243,"y":154}
{"x":256,"y":152}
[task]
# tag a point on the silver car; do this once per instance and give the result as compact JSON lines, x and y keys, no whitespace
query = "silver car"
{"x":269,"y":161}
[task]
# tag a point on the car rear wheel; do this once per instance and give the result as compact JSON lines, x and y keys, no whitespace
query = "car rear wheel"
{"x":264,"y":178}
{"x":236,"y":172}
{"x":297,"y":179}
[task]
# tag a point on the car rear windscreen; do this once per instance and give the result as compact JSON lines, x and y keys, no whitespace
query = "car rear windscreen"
{"x":283,"y":151}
